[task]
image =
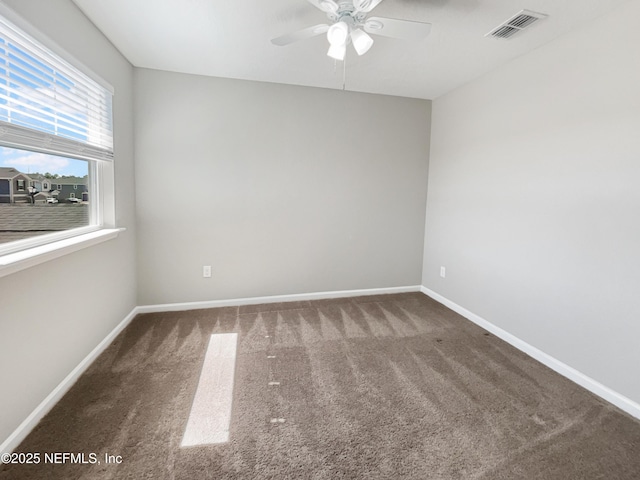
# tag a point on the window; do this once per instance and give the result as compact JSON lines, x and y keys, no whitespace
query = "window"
{"x":55,"y":126}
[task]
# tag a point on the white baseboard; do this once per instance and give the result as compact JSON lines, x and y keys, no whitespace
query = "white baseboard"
{"x":47,"y":404}
{"x":175,"y":307}
{"x":593,"y":386}
{"x":604,"y":392}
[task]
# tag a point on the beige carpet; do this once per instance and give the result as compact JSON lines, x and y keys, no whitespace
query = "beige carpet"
{"x":393,"y":387}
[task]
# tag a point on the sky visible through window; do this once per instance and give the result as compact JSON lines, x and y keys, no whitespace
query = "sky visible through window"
{"x":33,"y":162}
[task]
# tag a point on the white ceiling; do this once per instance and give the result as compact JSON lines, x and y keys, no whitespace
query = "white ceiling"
{"x":231,"y":38}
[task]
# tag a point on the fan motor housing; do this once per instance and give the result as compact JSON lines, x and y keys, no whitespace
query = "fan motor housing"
{"x":347,"y":13}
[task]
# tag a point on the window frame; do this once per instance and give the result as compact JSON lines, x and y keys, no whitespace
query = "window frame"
{"x":20,"y":254}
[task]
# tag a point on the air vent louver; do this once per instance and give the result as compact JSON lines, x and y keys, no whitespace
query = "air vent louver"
{"x":505,"y":32}
{"x":522,"y":21}
{"x":515,"y":24}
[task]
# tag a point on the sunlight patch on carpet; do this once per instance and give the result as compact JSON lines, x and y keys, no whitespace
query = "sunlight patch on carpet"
{"x":210,"y":416}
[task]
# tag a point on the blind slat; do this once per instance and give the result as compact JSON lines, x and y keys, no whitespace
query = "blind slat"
{"x":13,"y":103}
{"x":12,"y":106}
{"x":15,"y":136}
{"x":77,"y":96}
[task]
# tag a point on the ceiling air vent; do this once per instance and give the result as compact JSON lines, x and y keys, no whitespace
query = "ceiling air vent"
{"x":515,"y":24}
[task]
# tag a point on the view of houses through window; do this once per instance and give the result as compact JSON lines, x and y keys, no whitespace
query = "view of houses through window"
{"x":41,"y":194}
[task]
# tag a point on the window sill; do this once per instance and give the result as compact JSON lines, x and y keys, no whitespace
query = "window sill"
{"x":14,"y":262}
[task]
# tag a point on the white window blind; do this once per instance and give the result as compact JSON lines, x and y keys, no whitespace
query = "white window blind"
{"x":49,"y":106}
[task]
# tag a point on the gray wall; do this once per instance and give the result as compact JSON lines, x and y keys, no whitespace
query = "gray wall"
{"x":534,"y":199}
{"x":50,"y":320}
{"x":280,"y":189}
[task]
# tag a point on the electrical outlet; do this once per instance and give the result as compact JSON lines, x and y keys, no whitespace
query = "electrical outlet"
{"x":443,"y":272}
{"x":206,"y":271}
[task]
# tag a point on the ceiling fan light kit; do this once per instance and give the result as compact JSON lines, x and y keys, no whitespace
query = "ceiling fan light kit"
{"x":337,"y":52}
{"x":349,"y":24}
{"x":362,"y":42}
{"x":338,"y":33}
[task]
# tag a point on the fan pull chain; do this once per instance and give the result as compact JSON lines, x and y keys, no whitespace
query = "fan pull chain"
{"x":344,"y":74}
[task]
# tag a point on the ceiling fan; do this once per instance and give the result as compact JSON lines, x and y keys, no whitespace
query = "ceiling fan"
{"x":349,"y":24}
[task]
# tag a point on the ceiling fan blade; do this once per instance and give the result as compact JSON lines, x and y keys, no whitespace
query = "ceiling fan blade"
{"x":300,"y":35}
{"x":403,"y":29}
{"x":365,"y":5}
{"x":327,"y":6}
